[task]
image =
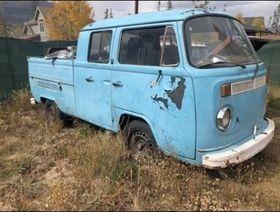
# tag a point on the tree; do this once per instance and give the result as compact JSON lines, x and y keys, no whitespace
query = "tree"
{"x":106,"y":13}
{"x":169,"y":5}
{"x":199,"y":4}
{"x":3,"y":28}
{"x":34,"y":5}
{"x":225,"y":7}
{"x":240,"y":17}
{"x":111,"y":14}
{"x":66,"y":18}
{"x":158,"y":5}
{"x":203,"y":5}
{"x":275,"y":20}
{"x":258,"y":22}
{"x":3,"y":23}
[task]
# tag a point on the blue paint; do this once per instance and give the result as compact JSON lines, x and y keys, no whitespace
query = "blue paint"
{"x":186,"y":129}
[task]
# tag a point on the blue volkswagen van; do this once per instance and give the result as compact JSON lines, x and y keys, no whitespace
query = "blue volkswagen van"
{"x":185,"y":81}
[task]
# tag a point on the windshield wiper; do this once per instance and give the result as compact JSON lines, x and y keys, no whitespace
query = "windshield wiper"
{"x":222,"y":62}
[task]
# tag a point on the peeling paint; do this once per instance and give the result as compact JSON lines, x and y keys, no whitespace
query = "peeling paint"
{"x":161,"y":101}
{"x":175,"y":92}
{"x":177,"y":95}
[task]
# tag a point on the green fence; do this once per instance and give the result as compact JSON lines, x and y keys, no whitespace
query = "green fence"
{"x":14,"y":70}
{"x":270,"y":55}
{"x":13,"y":63}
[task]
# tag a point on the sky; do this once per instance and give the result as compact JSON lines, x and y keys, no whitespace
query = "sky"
{"x":123,"y":8}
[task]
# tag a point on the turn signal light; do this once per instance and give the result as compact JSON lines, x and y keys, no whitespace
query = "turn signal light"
{"x":226,"y":90}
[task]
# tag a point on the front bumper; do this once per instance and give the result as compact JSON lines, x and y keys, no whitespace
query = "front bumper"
{"x":240,"y":153}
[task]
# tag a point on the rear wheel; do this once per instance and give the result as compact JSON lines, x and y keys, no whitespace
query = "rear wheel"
{"x":54,"y":115}
{"x":139,"y":137}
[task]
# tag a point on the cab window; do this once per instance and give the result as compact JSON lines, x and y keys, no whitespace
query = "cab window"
{"x":149,"y":46}
{"x":100,"y":47}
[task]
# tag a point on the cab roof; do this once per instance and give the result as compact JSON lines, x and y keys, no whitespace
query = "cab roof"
{"x":151,"y":17}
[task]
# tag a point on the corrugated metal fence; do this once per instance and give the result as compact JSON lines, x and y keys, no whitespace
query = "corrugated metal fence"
{"x":13,"y":63}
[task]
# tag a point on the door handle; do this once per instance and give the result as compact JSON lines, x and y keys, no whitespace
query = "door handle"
{"x":117,"y":84}
{"x":89,"y":79}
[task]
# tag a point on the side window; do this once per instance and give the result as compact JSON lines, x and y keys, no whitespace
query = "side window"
{"x":141,"y":46}
{"x":170,"y":55}
{"x":149,"y":46}
{"x":100,"y":47}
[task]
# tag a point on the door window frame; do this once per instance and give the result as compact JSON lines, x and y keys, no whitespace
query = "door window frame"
{"x":90,"y":44}
{"x":158,"y":25}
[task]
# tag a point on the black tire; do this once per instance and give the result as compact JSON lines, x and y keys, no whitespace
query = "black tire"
{"x":139,"y":137}
{"x":54,"y":115}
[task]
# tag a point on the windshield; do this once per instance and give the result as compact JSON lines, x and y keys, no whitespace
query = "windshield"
{"x":218,"y":41}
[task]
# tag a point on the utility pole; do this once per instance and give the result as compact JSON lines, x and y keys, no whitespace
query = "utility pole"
{"x":136,"y":6}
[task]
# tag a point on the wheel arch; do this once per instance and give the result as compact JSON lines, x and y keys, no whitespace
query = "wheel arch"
{"x":44,"y":99}
{"x":127,"y":117}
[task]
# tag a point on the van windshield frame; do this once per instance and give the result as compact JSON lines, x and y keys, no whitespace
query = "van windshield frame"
{"x":216,"y":41}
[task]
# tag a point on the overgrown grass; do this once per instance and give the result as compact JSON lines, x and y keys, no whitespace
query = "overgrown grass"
{"x":85,"y":168}
{"x":274,"y":96}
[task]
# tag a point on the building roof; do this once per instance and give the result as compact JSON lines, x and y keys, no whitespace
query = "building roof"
{"x":44,"y":10}
{"x":33,"y":21}
{"x":16,"y":31}
{"x":250,"y":20}
{"x":250,"y":28}
{"x":31,"y":37}
{"x":151,"y":17}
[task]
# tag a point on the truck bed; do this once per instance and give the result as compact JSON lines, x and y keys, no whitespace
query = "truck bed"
{"x":53,"y":79}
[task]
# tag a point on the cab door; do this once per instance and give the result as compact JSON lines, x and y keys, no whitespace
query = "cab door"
{"x":92,"y":79}
{"x":149,"y":81}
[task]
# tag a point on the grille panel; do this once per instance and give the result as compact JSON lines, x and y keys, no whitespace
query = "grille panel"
{"x":243,"y":86}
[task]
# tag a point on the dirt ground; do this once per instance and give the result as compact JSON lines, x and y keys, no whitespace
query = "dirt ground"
{"x":84,"y":168}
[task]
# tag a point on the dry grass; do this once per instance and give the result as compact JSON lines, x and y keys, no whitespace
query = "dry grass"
{"x":84,"y":168}
{"x":274,"y":96}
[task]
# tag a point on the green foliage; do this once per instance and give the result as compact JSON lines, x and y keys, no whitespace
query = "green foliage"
{"x":34,"y":5}
{"x":3,"y":23}
{"x":111,"y":14}
{"x":66,"y":18}
{"x":240,"y":17}
{"x":106,"y":13}
{"x":158,"y":5}
{"x":274,"y":97}
{"x":201,"y":4}
{"x":258,"y":22}
{"x":275,"y":19}
{"x":169,"y":5}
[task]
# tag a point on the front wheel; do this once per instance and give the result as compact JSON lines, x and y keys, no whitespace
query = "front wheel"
{"x":139,"y":137}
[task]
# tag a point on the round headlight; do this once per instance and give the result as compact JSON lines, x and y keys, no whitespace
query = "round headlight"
{"x":223,"y":118}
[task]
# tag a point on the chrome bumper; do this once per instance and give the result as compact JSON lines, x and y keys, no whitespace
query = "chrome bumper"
{"x":240,"y":153}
